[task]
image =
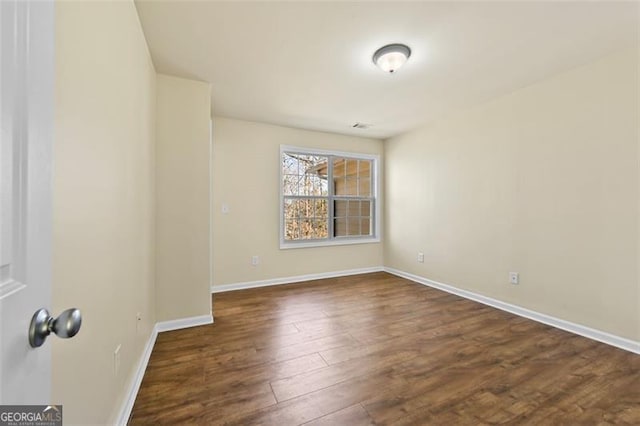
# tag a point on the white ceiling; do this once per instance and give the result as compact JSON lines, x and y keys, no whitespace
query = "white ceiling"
{"x":308,"y":64}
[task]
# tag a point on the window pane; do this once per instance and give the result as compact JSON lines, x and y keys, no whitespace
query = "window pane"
{"x":306,"y":208}
{"x":365,"y":226}
{"x":306,"y":185}
{"x":353,"y":177}
{"x":315,"y":185}
{"x":346,"y":186}
{"x":324,"y":187}
{"x":289,"y":164}
{"x":321,"y":229}
{"x":352,"y":168}
{"x":304,"y":174}
{"x":290,"y":209}
{"x":352,"y":217}
{"x":306,"y":229}
{"x":364,"y":187}
{"x":340,"y":208}
{"x":365,"y":208}
{"x":321,"y":224}
{"x":338,"y":185}
{"x":353,"y":226}
{"x":299,"y":208}
{"x":290,"y":184}
{"x":291,"y":230}
{"x":354,"y":208}
{"x":320,"y":186}
{"x":306,"y":218}
{"x":322,"y":210}
{"x":340,"y":227}
{"x":310,"y":185}
{"x":339,"y":167}
{"x":364,"y":167}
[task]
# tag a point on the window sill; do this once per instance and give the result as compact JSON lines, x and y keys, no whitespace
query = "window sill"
{"x":337,"y":242}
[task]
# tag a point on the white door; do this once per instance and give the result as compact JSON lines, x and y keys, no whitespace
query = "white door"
{"x":26,"y":138}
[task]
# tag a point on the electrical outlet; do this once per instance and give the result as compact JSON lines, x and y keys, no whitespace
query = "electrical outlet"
{"x":514,"y":278}
{"x":420,"y":257}
{"x":255,"y":260}
{"x":116,"y":360}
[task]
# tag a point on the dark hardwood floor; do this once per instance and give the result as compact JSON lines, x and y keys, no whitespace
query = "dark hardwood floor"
{"x":378,"y":349}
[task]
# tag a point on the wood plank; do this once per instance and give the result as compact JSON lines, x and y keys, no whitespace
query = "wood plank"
{"x":267,"y":372}
{"x":352,"y":416}
{"x":378,"y":349}
{"x":304,"y":383}
{"x":320,"y":403}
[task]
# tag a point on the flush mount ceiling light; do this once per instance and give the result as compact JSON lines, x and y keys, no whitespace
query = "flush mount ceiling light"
{"x":391,"y":57}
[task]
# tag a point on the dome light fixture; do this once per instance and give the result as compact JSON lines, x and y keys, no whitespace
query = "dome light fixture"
{"x":391,"y":57}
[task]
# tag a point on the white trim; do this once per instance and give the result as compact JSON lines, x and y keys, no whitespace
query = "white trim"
{"x":290,"y":280}
{"x":127,"y":406}
{"x":184,"y":323}
{"x":210,"y":207}
{"x":600,"y":336}
{"x":315,"y":151}
{"x":333,"y":242}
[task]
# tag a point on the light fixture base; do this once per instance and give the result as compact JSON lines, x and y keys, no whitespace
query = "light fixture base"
{"x":391,"y":57}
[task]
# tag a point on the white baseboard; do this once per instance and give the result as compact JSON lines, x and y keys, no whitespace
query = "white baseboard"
{"x":184,"y":323}
{"x":295,"y":279}
{"x":600,"y":336}
{"x":127,"y":406}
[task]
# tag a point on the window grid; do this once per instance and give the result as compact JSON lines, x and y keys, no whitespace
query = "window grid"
{"x":349,"y":183}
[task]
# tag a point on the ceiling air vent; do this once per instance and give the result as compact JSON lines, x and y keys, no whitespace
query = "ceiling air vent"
{"x":361,"y":126}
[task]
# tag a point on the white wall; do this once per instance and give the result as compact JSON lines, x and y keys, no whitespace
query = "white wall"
{"x":103,"y":203}
{"x":246,"y":165}
{"x":544,"y":182}
{"x":182,"y":198}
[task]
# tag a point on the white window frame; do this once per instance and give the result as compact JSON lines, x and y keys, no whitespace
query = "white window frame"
{"x":334,"y":241}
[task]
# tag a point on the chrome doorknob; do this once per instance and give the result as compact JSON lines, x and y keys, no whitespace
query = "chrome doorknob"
{"x":42,"y":324}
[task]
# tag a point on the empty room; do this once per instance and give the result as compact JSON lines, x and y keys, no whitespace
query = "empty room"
{"x":319,"y":212}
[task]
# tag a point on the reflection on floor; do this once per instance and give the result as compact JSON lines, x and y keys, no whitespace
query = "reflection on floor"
{"x":378,"y":349}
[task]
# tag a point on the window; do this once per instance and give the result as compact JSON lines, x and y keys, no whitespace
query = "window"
{"x":327,"y":198}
